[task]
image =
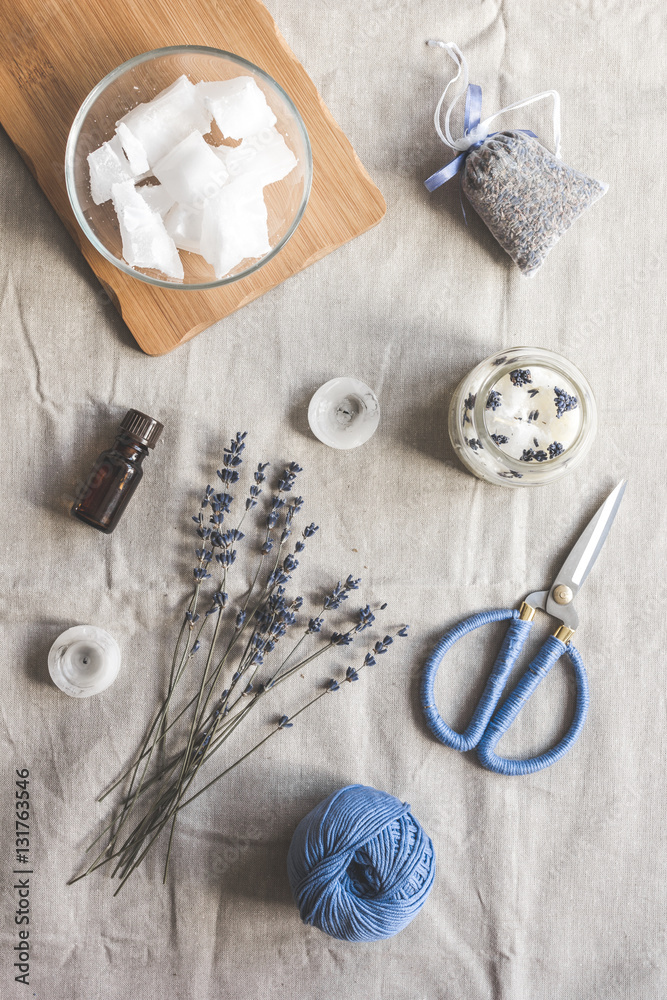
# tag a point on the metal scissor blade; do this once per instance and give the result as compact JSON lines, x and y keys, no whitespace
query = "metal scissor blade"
{"x":580,"y":561}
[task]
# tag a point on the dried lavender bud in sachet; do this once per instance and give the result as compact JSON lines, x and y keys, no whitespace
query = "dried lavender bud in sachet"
{"x":526,"y":196}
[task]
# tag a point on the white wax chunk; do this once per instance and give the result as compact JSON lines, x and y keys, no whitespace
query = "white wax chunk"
{"x":239,"y":106}
{"x":265,"y":156}
{"x":191,"y":171}
{"x":146,"y":242}
{"x":117,"y":146}
{"x":184,"y":225}
{"x":133,"y":149}
{"x":235,"y":226}
{"x":138,"y":160}
{"x":107,"y":166}
{"x":157,"y":198}
{"x":161,"y":123}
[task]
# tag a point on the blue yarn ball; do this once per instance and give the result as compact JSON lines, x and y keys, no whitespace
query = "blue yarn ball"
{"x":360,"y":865}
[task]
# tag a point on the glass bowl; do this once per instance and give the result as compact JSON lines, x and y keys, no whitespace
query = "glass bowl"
{"x":138,"y":81}
{"x":523,"y":417}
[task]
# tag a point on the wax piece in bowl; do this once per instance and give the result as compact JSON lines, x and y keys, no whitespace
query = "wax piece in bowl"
{"x":191,"y":171}
{"x":161,"y":123}
{"x":133,"y":149}
{"x":117,"y":146}
{"x":157,"y":198}
{"x":107,"y":166}
{"x":184,"y":225}
{"x":235,"y":225}
{"x":146,"y":242}
{"x":238,"y":106}
{"x":264,"y":156}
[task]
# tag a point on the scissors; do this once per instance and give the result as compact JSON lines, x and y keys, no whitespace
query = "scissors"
{"x":490,"y":722}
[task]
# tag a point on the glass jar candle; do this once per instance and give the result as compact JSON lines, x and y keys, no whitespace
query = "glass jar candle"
{"x":523,"y":417}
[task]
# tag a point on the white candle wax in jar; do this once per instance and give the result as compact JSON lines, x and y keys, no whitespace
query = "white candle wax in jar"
{"x":537,"y":411}
{"x":523,"y":417}
{"x":344,"y":413}
{"x":84,"y":660}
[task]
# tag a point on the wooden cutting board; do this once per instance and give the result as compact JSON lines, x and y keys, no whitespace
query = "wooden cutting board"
{"x":53,"y":54}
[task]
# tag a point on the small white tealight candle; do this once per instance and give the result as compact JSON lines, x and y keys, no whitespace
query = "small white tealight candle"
{"x":344,"y":413}
{"x":84,"y":660}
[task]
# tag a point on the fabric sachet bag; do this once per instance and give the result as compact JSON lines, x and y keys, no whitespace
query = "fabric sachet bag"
{"x":525,"y":194}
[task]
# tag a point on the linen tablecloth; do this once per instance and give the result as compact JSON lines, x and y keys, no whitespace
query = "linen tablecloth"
{"x":547,"y":886}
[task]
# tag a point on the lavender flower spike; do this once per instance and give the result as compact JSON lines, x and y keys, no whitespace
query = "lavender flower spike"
{"x":366,"y":618}
{"x":234,"y":641}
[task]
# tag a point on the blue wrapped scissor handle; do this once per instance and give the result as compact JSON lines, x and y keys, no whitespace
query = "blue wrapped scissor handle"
{"x":489,"y":722}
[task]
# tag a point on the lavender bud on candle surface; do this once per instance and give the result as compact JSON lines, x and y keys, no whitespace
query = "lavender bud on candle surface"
{"x":520,"y":376}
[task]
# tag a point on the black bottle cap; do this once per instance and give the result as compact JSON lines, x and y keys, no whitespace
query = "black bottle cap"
{"x":143,"y":428}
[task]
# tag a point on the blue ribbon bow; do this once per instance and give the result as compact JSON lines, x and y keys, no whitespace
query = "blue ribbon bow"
{"x":471,"y":119}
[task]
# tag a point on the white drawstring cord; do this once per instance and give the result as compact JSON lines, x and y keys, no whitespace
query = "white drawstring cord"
{"x":480,"y":133}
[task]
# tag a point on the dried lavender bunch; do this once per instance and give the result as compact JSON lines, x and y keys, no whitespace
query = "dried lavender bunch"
{"x":222,"y":668}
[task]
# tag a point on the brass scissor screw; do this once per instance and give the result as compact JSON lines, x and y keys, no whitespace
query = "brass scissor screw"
{"x":562,"y":594}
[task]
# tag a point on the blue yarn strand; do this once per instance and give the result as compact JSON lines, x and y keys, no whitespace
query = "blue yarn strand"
{"x":549,"y":654}
{"x":360,"y":865}
{"x":516,"y":635}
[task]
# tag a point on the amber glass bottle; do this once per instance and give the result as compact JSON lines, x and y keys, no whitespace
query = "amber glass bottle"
{"x":117,"y":473}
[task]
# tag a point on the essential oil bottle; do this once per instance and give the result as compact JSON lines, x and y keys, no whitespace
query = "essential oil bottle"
{"x":117,"y":473}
